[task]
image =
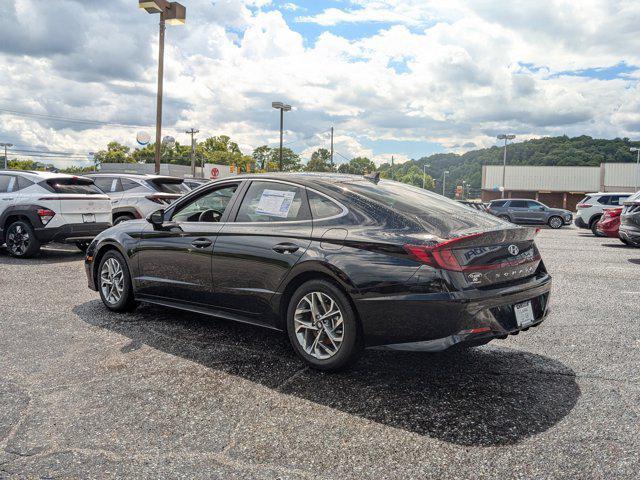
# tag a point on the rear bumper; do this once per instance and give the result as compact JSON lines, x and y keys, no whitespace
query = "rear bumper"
{"x":609,"y":228}
{"x":71,"y":232}
{"x":580,"y":223}
{"x":468,"y":316}
{"x":629,"y":233}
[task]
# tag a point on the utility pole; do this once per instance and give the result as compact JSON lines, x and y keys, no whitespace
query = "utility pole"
{"x":159,"y":95}
{"x":444,"y":181}
{"x":6,"y":160}
{"x":392,"y":174}
{"x":504,"y":137}
{"x":331,"y":148}
{"x":424,"y":173}
{"x":192,"y":132}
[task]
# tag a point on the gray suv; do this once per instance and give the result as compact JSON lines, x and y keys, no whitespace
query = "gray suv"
{"x":529,"y":212}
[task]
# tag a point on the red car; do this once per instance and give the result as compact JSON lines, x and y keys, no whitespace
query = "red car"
{"x":609,"y":223}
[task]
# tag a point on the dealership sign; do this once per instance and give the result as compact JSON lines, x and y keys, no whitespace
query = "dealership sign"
{"x":215,"y":172}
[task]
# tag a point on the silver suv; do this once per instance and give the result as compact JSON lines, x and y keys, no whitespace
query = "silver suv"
{"x":135,"y":196}
{"x":529,"y":212}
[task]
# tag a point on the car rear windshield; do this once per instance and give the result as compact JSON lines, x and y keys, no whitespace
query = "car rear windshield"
{"x":633,"y":198}
{"x":169,"y":185}
{"x":585,"y":199}
{"x":437,"y":214}
{"x":82,"y":186}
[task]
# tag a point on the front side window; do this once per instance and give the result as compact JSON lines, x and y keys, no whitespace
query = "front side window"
{"x":108,"y":184}
{"x":518,"y":204}
{"x":534,"y":205}
{"x":207,"y":208}
{"x":128,"y":184}
{"x":273,"y":202}
{"x":499,"y":203}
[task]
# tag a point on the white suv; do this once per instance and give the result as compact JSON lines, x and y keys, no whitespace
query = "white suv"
{"x":591,"y":207}
{"x":42,"y":207}
{"x":136,"y":196}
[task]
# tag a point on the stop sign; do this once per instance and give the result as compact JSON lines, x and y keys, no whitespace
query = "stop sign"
{"x":214,"y":173}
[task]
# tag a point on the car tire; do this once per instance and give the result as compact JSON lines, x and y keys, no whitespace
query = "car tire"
{"x":82,"y":246}
{"x":21,"y":240}
{"x":626,"y":242}
{"x":504,"y":217}
{"x":123,"y":218}
{"x":555,"y":222}
{"x":316,"y":340}
{"x":594,"y":227}
{"x":114,"y":283}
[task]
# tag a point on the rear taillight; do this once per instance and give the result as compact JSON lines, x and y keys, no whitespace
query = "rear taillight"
{"x":438,"y":255}
{"x":45,"y":215}
{"x":613,"y":212}
{"x":583,"y":205}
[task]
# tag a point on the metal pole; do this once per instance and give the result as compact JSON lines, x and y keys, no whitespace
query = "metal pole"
{"x":159,"y":98}
{"x":504,"y":166}
{"x":5,"y":156}
{"x":281,"y":133}
{"x":192,"y":132}
{"x":637,"y":165}
{"x":444,"y":180}
{"x":332,"y":148}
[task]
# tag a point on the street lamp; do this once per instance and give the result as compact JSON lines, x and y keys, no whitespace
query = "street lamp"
{"x":632,"y":149}
{"x":5,"y":145}
{"x":172,"y":13}
{"x":283,"y":107}
{"x":424,"y":173}
{"x":444,"y":180}
{"x":504,"y":137}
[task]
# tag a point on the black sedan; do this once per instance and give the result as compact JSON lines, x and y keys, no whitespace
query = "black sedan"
{"x":339,"y":262}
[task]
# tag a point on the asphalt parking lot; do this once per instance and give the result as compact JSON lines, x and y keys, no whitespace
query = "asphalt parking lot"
{"x":158,"y":393}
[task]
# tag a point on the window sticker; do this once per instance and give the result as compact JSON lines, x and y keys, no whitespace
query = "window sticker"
{"x":275,"y":203}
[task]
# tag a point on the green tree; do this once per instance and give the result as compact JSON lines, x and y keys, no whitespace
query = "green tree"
{"x":358,"y":166}
{"x":290,"y":160}
{"x":261,"y":157}
{"x":115,"y":153}
{"x":320,"y":161}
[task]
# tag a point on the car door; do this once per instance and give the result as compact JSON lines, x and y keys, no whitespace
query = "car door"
{"x":8,"y":194}
{"x":174,"y":260}
{"x":112,"y":186}
{"x":536,"y":212}
{"x":517,"y":211}
{"x":270,"y":233}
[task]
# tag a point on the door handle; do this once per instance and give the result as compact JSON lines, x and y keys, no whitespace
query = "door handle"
{"x":286,"y":248}
{"x":202,"y":243}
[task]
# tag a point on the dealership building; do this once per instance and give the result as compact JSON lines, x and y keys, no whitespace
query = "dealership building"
{"x":561,"y":187}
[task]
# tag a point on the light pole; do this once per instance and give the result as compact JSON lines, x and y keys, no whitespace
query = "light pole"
{"x":632,"y":149}
{"x":444,"y":180}
{"x":6,"y":160}
{"x":424,"y":174}
{"x":172,"y":13}
{"x":192,"y":132}
{"x":504,"y":137}
{"x":283,"y":107}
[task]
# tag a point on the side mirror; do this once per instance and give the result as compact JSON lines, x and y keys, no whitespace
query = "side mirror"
{"x":156,"y":218}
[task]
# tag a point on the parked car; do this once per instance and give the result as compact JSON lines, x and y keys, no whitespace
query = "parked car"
{"x":193,"y":183}
{"x":529,"y":212}
{"x":42,"y":207}
{"x":135,"y":196}
{"x":609,"y":222}
{"x":591,"y":207}
{"x":476,"y":205}
{"x":339,"y":262}
{"x":630,"y":221}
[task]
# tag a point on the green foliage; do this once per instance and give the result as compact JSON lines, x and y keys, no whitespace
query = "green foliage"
{"x":358,"y":166}
{"x":115,"y":153}
{"x":320,"y":161}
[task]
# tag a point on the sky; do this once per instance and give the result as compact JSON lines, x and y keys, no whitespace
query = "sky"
{"x":401,"y":78}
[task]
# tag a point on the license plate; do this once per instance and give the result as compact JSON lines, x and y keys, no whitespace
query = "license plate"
{"x":524,"y":314}
{"x":88,"y":218}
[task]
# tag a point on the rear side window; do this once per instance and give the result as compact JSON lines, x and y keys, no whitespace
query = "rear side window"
{"x":499,"y":203}
{"x":23,"y":183}
{"x":322,"y":207}
{"x":273,"y":202}
{"x":169,"y":186}
{"x":73,"y":185}
{"x":7,"y":183}
{"x":585,"y":199}
{"x":108,"y":184}
{"x":604,"y":200}
{"x":128,"y":184}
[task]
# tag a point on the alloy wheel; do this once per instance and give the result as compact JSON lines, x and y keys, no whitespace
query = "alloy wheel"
{"x":18,"y":240}
{"x":319,"y":325}
{"x":555,"y":222}
{"x":112,"y":280}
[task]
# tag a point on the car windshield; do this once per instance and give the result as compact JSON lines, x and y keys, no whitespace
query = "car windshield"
{"x":437,"y":214}
{"x":633,"y":198}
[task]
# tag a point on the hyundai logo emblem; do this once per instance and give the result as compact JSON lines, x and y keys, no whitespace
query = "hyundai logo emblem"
{"x":513,"y":249}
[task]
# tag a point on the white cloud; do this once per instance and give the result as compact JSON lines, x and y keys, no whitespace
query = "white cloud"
{"x":455,"y":74}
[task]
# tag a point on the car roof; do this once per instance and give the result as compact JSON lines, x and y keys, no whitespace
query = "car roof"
{"x":38,"y":174}
{"x":607,"y":193}
{"x":307,"y":179}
